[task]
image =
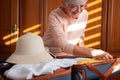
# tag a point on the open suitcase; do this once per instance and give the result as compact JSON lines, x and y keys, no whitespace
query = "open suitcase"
{"x":95,"y":69}
{"x":59,"y":74}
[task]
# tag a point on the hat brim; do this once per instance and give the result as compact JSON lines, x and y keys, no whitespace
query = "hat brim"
{"x":18,"y":58}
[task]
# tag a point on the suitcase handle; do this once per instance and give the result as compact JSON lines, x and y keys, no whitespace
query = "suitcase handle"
{"x":107,"y":73}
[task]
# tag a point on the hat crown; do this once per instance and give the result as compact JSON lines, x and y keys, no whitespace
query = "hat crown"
{"x":29,"y":44}
{"x":30,"y":49}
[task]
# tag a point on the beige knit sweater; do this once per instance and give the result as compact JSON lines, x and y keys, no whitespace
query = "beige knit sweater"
{"x":64,"y":32}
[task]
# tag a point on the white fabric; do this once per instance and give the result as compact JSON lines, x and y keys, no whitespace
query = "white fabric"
{"x":27,"y":71}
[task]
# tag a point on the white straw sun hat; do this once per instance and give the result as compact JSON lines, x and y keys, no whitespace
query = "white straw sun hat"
{"x":29,"y":50}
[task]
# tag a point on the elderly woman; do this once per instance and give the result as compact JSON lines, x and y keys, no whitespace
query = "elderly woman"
{"x":65,"y":33}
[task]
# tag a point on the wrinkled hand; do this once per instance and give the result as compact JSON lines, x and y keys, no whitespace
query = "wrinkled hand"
{"x":100,"y":54}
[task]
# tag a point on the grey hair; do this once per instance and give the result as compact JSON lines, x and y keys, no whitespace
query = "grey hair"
{"x":74,"y":1}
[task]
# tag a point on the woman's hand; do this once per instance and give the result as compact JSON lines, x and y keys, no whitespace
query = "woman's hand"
{"x":100,"y":54}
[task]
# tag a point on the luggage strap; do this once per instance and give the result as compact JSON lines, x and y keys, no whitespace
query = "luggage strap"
{"x":107,"y":73}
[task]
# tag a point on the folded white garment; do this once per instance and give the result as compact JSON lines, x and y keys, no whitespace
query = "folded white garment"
{"x":27,"y":71}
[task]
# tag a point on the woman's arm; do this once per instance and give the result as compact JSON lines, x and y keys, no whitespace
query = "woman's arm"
{"x":81,"y":42}
{"x":90,"y":52}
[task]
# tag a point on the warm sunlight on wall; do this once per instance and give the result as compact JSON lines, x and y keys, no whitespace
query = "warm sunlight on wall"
{"x":11,"y":41}
{"x":93,"y":30}
{"x":32,"y":28}
{"x":94,"y":19}
{"x":13,"y":37}
{"x":92,"y":37}
{"x":93,"y":27}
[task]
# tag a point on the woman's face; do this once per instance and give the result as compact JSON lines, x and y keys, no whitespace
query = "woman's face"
{"x":74,"y":10}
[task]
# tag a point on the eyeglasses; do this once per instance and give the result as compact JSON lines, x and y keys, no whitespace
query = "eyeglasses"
{"x":74,"y":7}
